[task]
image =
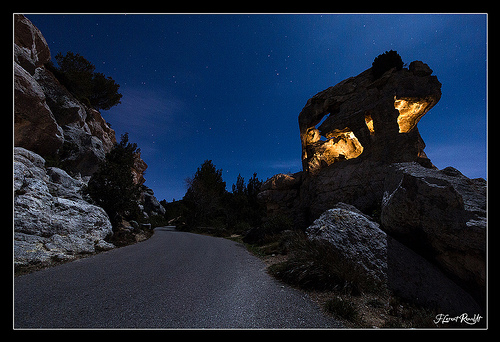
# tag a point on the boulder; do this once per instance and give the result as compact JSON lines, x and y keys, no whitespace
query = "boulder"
{"x":51,"y":220}
{"x":388,"y":264}
{"x":441,"y":214}
{"x":356,"y":237}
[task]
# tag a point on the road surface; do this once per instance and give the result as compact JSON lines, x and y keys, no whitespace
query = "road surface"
{"x":173,"y":280}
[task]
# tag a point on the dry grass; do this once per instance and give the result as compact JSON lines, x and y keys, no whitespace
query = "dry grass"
{"x":337,"y":287}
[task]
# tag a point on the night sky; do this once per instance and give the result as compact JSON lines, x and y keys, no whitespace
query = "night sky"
{"x":230,"y":87}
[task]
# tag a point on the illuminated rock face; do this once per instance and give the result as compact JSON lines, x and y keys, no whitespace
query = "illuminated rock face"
{"x":361,"y":147}
{"x":365,"y":118}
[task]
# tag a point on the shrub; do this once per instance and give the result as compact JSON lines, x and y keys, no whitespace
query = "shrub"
{"x":315,"y":265}
{"x":342,"y":308}
{"x":386,"y":61}
{"x":78,"y":75}
{"x":112,"y":186}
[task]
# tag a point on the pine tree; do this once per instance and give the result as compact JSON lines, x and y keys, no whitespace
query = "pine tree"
{"x":205,"y":195}
{"x":112,"y":186}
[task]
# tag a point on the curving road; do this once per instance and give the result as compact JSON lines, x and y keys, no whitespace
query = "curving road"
{"x":173,"y":280}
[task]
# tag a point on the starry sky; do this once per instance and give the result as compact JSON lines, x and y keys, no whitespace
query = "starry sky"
{"x":230,"y":87}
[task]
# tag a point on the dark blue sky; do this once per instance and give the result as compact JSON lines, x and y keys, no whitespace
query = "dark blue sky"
{"x":230,"y":87}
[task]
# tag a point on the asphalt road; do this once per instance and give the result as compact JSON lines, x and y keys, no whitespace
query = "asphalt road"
{"x":173,"y":280}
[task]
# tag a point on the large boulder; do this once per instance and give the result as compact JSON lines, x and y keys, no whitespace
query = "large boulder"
{"x":51,"y":220}
{"x":385,"y":263}
{"x":441,"y":214}
{"x":356,"y":237}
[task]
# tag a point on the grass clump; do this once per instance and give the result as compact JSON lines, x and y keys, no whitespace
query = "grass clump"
{"x":315,"y":265}
{"x":341,"y":308}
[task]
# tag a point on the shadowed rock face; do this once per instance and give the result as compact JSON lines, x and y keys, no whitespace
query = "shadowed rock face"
{"x":361,"y":146}
{"x":48,"y":119}
{"x":363,"y":117}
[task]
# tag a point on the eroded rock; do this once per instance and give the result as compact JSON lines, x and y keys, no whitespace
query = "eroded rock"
{"x":361,"y":116}
{"x":441,"y":214}
{"x":51,"y":220}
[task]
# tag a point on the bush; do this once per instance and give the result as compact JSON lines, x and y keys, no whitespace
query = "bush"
{"x":385,"y":62}
{"x":341,"y":308}
{"x":78,"y":75}
{"x":112,"y":186}
{"x":315,"y":265}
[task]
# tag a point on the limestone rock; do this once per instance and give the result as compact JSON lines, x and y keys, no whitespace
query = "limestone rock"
{"x":151,"y":204}
{"x":138,"y":169}
{"x":366,"y":117}
{"x":30,"y":49}
{"x":281,"y":195}
{"x":48,"y":119}
{"x":441,"y":214}
{"x":356,"y":237}
{"x":87,"y":136}
{"x":35,"y":127}
{"x":51,"y":220}
{"x":387,"y":263}
{"x":361,"y":146}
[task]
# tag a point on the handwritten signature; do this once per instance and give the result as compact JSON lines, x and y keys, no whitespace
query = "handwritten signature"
{"x":463,"y":318}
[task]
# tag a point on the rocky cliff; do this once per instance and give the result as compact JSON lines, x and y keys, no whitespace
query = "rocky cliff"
{"x":361,"y":146}
{"x":52,"y":222}
{"x":59,"y":143}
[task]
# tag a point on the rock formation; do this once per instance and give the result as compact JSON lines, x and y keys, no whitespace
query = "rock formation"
{"x":48,"y":119}
{"x":52,"y":222}
{"x":350,"y":133}
{"x":381,"y":261}
{"x":369,"y":117}
{"x":361,"y":146}
{"x":52,"y":128}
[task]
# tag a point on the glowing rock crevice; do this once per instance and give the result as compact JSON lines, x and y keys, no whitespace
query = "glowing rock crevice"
{"x":365,"y":118}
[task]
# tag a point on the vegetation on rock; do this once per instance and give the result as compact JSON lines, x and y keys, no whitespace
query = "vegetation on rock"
{"x":78,"y":75}
{"x":386,"y":61}
{"x":112,"y":186}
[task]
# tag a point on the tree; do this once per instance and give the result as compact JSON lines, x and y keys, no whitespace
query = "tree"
{"x":78,"y":75}
{"x":205,"y":196}
{"x":112,"y":186}
{"x":385,"y":62}
{"x":239,"y":187}
{"x":243,"y":206}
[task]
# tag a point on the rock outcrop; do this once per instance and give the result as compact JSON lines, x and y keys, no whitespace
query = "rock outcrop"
{"x":350,"y":134}
{"x":48,"y":119}
{"x":384,"y":263}
{"x":442,"y":215}
{"x":356,"y":237}
{"x":59,"y":143}
{"x":361,"y":146}
{"x":373,"y":118}
{"x":52,"y":222}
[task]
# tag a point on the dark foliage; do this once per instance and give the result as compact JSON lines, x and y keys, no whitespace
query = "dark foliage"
{"x":386,"y":61}
{"x":112,"y":187}
{"x":207,"y":206}
{"x":78,"y":75}
{"x":244,"y":209}
{"x":315,"y":265}
{"x":204,"y":197}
